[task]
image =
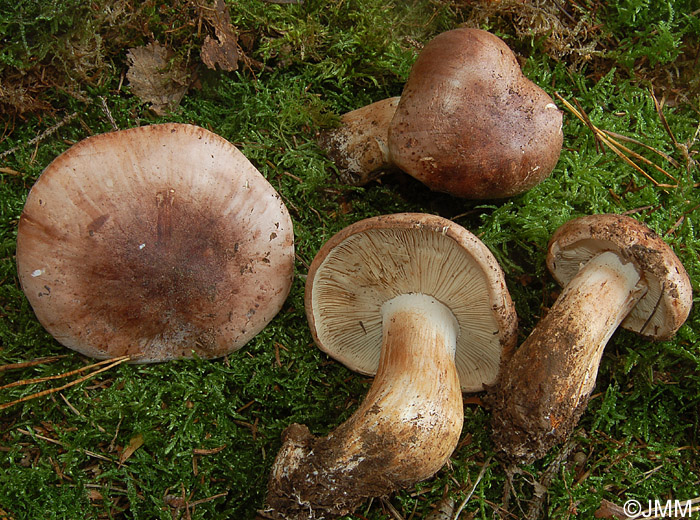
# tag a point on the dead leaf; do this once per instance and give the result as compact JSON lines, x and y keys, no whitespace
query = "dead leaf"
{"x":609,"y":509}
{"x":156,"y":78}
{"x":94,"y":495}
{"x":443,"y":510}
{"x":134,"y":444}
{"x":222,"y":51}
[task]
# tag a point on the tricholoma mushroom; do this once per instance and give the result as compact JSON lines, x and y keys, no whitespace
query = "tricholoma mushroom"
{"x":157,"y":242}
{"x":422,"y":303}
{"x":615,"y":271}
{"x":468,"y":123}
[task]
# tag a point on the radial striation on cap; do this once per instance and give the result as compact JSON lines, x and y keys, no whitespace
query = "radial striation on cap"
{"x":377,"y":259}
{"x":667,"y":302}
{"x":157,"y":242}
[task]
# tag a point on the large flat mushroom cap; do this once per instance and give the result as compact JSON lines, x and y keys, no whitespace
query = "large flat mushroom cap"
{"x":157,"y":242}
{"x":667,"y":302}
{"x":377,"y":259}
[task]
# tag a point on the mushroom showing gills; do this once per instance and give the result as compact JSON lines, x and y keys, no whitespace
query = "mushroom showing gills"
{"x":422,"y":303}
{"x":468,"y":123}
{"x":157,"y":242}
{"x":615,"y":271}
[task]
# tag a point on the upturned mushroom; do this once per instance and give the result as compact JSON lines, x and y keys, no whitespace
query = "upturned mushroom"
{"x":615,"y":271}
{"x":157,"y":242}
{"x":468,"y":123}
{"x":422,"y":303}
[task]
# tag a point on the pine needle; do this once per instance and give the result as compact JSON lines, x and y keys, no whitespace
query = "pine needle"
{"x":611,"y":140}
{"x":469,"y":496}
{"x":24,"y":382}
{"x":112,"y":363}
{"x":28,"y":364}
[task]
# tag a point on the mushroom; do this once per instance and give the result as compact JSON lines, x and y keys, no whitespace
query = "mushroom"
{"x":157,"y":242}
{"x":468,"y":123}
{"x":359,"y":147}
{"x":615,"y":271}
{"x":421,"y":302}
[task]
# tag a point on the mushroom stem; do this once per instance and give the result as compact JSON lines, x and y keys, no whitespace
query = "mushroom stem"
{"x":359,"y":146}
{"x":404,"y":431}
{"x":544,"y":387}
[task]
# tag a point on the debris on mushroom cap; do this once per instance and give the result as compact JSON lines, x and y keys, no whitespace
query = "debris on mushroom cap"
{"x":422,"y":303}
{"x":615,"y":272}
{"x":156,"y":242}
{"x":470,"y":123}
{"x":376,"y":259}
{"x":666,"y":305}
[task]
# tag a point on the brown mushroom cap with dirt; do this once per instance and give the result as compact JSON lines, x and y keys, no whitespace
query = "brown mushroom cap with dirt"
{"x":615,"y":271}
{"x":468,"y":123}
{"x":156,"y":242}
{"x":422,"y":303}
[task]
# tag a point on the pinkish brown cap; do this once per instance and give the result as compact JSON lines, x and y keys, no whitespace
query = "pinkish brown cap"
{"x":470,"y":123}
{"x":376,"y":259}
{"x":667,"y":302}
{"x":157,"y":242}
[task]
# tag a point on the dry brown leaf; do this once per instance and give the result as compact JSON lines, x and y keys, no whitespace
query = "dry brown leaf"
{"x":134,"y":444}
{"x":222,"y":51}
{"x":609,"y":509}
{"x":156,"y":78}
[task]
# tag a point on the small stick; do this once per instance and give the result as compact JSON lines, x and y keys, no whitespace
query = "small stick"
{"x":27,"y":364}
{"x":643,"y":145}
{"x":46,"y":133}
{"x":617,"y":147}
{"x":392,"y":509}
{"x":469,"y":496}
{"x":43,"y":393}
{"x":24,"y":382}
{"x":209,"y":499}
{"x":108,"y":113}
{"x":660,"y":111}
{"x":542,"y":487}
{"x":59,"y":443}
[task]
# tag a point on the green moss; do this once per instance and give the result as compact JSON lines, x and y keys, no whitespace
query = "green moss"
{"x":211,"y":429}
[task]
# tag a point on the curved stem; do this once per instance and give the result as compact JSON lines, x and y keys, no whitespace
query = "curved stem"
{"x":544,"y":387}
{"x":359,"y":146}
{"x":404,"y":431}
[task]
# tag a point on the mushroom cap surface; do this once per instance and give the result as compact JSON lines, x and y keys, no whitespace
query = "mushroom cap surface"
{"x":470,"y":123}
{"x":667,"y":302}
{"x":157,"y":242}
{"x":376,"y":259}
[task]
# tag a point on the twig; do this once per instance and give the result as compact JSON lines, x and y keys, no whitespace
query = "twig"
{"x":27,"y":364}
{"x":59,"y":443}
{"x":681,"y":219}
{"x":43,"y":135}
{"x":208,"y":499}
{"x":392,"y":509}
{"x":542,"y":486}
{"x":43,"y":393}
{"x":24,"y":382}
{"x":660,"y":111}
{"x":619,"y":149}
{"x":108,"y":113}
{"x":643,"y":145}
{"x":469,"y":496}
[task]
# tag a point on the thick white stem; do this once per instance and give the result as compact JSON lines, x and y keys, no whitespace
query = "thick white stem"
{"x":545,"y":386}
{"x":593,"y":304}
{"x":404,"y":431}
{"x":415,"y":398}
